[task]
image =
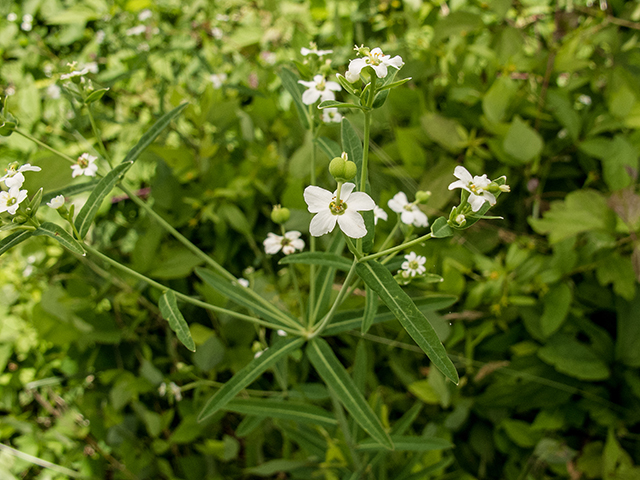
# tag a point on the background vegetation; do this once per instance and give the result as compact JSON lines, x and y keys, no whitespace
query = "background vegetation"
{"x":546,"y":327}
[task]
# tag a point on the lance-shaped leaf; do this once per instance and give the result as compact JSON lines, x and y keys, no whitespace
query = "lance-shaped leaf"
{"x":441,"y":229}
{"x":352,"y":145}
{"x":335,"y":104}
{"x":331,"y":148}
{"x":88,"y":213}
{"x":248,"y":374}
{"x":240,"y":296}
{"x":58,"y":233}
{"x":14,"y":239}
{"x":414,"y":322}
{"x":290,"y":83}
{"x":370,"y":309}
{"x":405,"y":443}
{"x":336,"y":377}
{"x":96,"y":95}
{"x":170,"y":312}
{"x":150,"y":135}
{"x":318,"y":258}
{"x":298,"y":412}
{"x":70,"y":190}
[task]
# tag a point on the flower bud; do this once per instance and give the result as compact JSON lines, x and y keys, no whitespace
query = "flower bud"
{"x":422,"y":196}
{"x":280,"y":215}
{"x":336,"y":167}
{"x":342,"y":169}
{"x":19,"y":218}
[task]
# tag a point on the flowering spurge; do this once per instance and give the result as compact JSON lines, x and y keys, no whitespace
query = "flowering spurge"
{"x":374,"y":59}
{"x":340,"y":207}
{"x":56,"y":202}
{"x":10,"y":201}
{"x":14,"y":176}
{"x":331,"y":115}
{"x":288,"y":243}
{"x":410,"y":213}
{"x":413,"y":265}
{"x":379,"y":214}
{"x":319,"y":89}
{"x":479,"y":187}
{"x":86,"y":166}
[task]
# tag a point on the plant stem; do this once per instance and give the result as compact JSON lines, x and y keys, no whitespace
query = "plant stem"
{"x":391,"y":234}
{"x":312,"y":239}
{"x":344,"y":426}
{"x":317,"y":330}
{"x":96,"y":133}
{"x":186,"y":298}
{"x":296,"y":287}
{"x":365,"y":151}
{"x":396,"y":249}
{"x":44,"y":145}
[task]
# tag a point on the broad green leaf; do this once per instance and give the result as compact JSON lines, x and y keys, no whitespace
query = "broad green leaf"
{"x":446,"y":132}
{"x":87,"y":214}
{"x":331,"y":148}
{"x":413,"y":320}
{"x":628,"y":332}
{"x":298,"y":412}
{"x":290,"y":83}
{"x":352,"y":319}
{"x":70,"y":190}
{"x":405,"y":443}
{"x":556,"y":307}
{"x":318,"y":258}
{"x":273,"y":467}
{"x":498,"y":98}
{"x":370,"y":309}
{"x":558,"y":102}
{"x":336,"y":377}
{"x":151,"y":134}
{"x":334,"y":104}
{"x":441,"y":229}
{"x":573,"y":358}
{"x":522,"y":142}
{"x":352,"y":145}
{"x":14,"y":239}
{"x":458,"y":23}
{"x":170,"y":312}
{"x":248,"y":374}
{"x":239,"y":295}
{"x":58,"y":233}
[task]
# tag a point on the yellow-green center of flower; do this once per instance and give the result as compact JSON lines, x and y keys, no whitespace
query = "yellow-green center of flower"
{"x":338,"y":208}
{"x":374,"y":59}
{"x":83,"y":162}
{"x":414,"y":265}
{"x":475,"y":189}
{"x":321,"y":85}
{"x":11,"y":201}
{"x":408,"y":207}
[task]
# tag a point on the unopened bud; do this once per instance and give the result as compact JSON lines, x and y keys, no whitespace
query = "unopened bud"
{"x":461,"y":220}
{"x":336,"y":167}
{"x":19,"y":218}
{"x":280,"y":214}
{"x":504,"y":188}
{"x":422,"y":196}
{"x":342,"y":169}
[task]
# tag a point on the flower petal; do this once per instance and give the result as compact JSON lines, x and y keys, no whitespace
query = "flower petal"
{"x":360,"y":201}
{"x":346,"y":190}
{"x":311,"y":96}
{"x":463,"y":174}
{"x":459,"y":184}
{"x":318,"y":199}
{"x":16,"y":181}
{"x":381,"y":70}
{"x":323,"y":222}
{"x":352,"y":224}
{"x":406,"y":217}
{"x":335,"y":86}
{"x":420,"y":219}
{"x":475,"y":201}
{"x":398,"y":201}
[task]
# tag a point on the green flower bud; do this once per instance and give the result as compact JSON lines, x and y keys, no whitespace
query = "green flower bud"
{"x":422,"y":196}
{"x":342,"y":169}
{"x":337,"y":167}
{"x":19,"y":218}
{"x":350,"y":170}
{"x":280,"y":215}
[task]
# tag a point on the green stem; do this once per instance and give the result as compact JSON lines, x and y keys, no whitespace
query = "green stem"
{"x":294,"y":280}
{"x":396,"y":249}
{"x":344,"y":426}
{"x":44,"y":145}
{"x":391,"y":234}
{"x":353,"y":248}
{"x":184,"y":297}
{"x":96,"y":133}
{"x":312,"y":239}
{"x":365,"y":151}
{"x":317,"y":330}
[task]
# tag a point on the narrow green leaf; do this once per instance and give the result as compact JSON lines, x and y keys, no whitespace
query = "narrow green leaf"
{"x":290,"y":83}
{"x":239,"y":295}
{"x":95,"y":96}
{"x":298,"y":412}
{"x":151,"y":134}
{"x":307,"y":437}
{"x":336,"y":377}
{"x":170,"y":312}
{"x":352,"y":319}
{"x":273,"y":467}
{"x":335,"y":104}
{"x":352,"y":145}
{"x":370,"y":309}
{"x":441,"y":229}
{"x":405,"y":443}
{"x":394,"y":84}
{"x":248,"y":374}
{"x":318,"y":258}
{"x":248,"y":425}
{"x":58,"y":233}
{"x":70,"y":190}
{"x":331,"y":148}
{"x":88,"y":212}
{"x":325,"y":277}
{"x":14,"y":239}
{"x":414,"y":322}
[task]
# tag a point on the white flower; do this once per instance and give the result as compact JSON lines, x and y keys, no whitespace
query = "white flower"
{"x":27,"y":18}
{"x":217,"y":79}
{"x":268,"y":57}
{"x":584,"y":99}
{"x":145,"y":15}
{"x":414,"y":265}
{"x":222,"y":18}
{"x":331,"y":115}
{"x":288,"y":244}
{"x":26,"y":26}
{"x":53,"y":91}
{"x":281,"y":333}
{"x":379,"y":214}
{"x":476,"y":186}
{"x":319,"y":88}
{"x":162,"y":389}
{"x":12,"y":17}
{"x":56,"y":202}
{"x":374,"y":59}
{"x":258,"y":353}
{"x":217,"y":33}
{"x":14,"y":176}
{"x":86,"y":166}
{"x":91,"y":67}
{"x":100,"y":36}
{"x":175,"y":391}
{"x":137,"y":30}
{"x":314,"y":51}
{"x":243,"y":282}
{"x":75,"y":73}
{"x":410,"y":213}
{"x":331,"y":209}
{"x":10,"y":201}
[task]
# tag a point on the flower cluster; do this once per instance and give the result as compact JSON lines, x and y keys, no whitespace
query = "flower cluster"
{"x":85,"y":166}
{"x":10,"y":200}
{"x":375,"y":59}
{"x":413,"y":265}
{"x":480,"y":188}
{"x":410,"y":213}
{"x":288,"y":243}
{"x":319,"y":89}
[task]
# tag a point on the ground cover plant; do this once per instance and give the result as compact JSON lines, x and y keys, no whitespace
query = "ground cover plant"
{"x":222,"y":260}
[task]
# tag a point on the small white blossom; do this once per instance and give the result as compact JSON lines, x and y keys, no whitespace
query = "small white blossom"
{"x":10,"y":201}
{"x":162,"y":389}
{"x":268,"y":57}
{"x":410,"y":213}
{"x":100,"y":36}
{"x":14,"y":176}
{"x":414,"y":265}
{"x":75,"y":73}
{"x":331,"y":115}
{"x":476,"y":186}
{"x":137,"y":30}
{"x":56,"y":202}
{"x":319,"y":89}
{"x":10,"y":90}
{"x":331,"y":210}
{"x":86,"y":166}
{"x":379,"y":214}
{"x":217,"y":33}
{"x":243,"y":282}
{"x":222,"y":18}
{"x":145,"y":15}
{"x":314,"y":51}
{"x":461,"y":220}
{"x":53,"y":91}
{"x":175,"y":391}
{"x":258,"y":353}
{"x":91,"y":67}
{"x":217,"y":79}
{"x":281,"y":333}
{"x":288,"y":243}
{"x":26,"y":26}
{"x":27,"y":18}
{"x":12,"y":17}
{"x":374,"y":59}
{"x":584,"y":99}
